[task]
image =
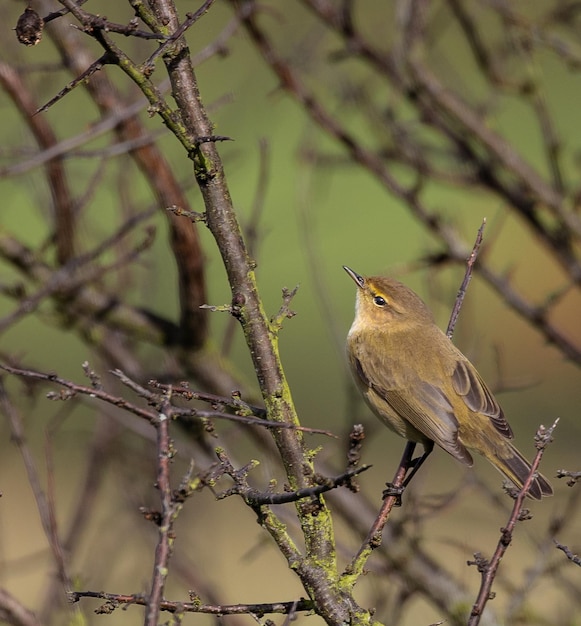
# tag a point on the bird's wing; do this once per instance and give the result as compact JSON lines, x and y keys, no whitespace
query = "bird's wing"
{"x":478,"y":398}
{"x":422,"y":404}
{"x":428,"y":410}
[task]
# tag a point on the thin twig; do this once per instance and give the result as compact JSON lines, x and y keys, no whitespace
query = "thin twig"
{"x":256,"y":498}
{"x":74,"y":389}
{"x":44,"y":505}
{"x":12,"y":611}
{"x":168,"y":515}
{"x":117,"y":600}
{"x":192,"y":18}
{"x":568,"y":553}
{"x":490,"y":569}
{"x":467,"y":277}
{"x":106,"y":59}
{"x":373,"y":539}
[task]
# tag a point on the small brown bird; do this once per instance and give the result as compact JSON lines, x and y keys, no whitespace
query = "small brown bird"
{"x":421,"y":386}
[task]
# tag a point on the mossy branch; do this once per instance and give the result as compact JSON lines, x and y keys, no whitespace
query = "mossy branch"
{"x":318,"y":567}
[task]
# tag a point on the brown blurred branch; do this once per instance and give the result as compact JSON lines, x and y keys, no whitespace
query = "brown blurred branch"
{"x":62,"y":199}
{"x":568,"y":553}
{"x":45,"y":505}
{"x":184,"y":240}
{"x":14,"y":613}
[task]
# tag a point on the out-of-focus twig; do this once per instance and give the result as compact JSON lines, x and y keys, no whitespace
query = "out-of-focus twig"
{"x":45,"y":506}
{"x":568,"y":553}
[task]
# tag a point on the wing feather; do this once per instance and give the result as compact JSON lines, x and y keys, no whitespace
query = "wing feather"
{"x":477,"y":397}
{"x":428,"y":410}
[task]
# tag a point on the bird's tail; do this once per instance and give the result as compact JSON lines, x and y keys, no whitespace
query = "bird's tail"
{"x":516,"y":468}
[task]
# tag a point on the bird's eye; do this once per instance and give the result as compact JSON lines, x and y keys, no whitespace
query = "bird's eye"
{"x":379,"y":301}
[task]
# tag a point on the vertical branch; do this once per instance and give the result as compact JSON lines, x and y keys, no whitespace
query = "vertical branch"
{"x":62,"y":199}
{"x":373,"y":540}
{"x":467,"y":277}
{"x":317,"y":571}
{"x":489,"y":570}
{"x":165,"y":538}
{"x":223,"y":223}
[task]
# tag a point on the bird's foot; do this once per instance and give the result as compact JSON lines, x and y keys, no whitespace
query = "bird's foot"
{"x":393,"y":490}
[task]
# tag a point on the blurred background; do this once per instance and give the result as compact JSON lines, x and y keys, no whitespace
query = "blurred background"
{"x":309,"y":205}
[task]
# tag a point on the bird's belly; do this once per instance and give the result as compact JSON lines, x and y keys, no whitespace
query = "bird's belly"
{"x":392,"y":419}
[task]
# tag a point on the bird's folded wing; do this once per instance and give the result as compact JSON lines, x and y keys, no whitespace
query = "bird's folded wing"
{"x":478,"y":398}
{"x":428,"y":410}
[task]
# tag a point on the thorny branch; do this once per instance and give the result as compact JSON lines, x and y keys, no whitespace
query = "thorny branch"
{"x":568,"y":553}
{"x":473,"y":153}
{"x":574,"y":477}
{"x":156,"y":400}
{"x":256,"y":499}
{"x":467,"y":277}
{"x":488,"y":569}
{"x":115,"y":601}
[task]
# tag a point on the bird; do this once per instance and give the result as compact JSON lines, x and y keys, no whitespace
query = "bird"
{"x":417,"y":382}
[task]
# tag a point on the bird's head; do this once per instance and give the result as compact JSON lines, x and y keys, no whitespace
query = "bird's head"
{"x":385,"y":303}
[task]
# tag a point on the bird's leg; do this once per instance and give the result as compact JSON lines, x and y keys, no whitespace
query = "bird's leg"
{"x":407,"y":463}
{"x":396,"y":488}
{"x":416,"y":463}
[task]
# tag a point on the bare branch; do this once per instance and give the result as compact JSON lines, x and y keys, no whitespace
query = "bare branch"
{"x":116,"y":600}
{"x":568,"y":553}
{"x":467,"y":277}
{"x":489,"y":569}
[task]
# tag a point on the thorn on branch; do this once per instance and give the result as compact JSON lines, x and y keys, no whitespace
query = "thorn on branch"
{"x":256,"y":498}
{"x":356,"y":437}
{"x":191,"y":19}
{"x":106,"y":59}
{"x":92,"y":376}
{"x":194,"y":216}
{"x":480,"y":561}
{"x":574,"y":477}
{"x":221,"y":308}
{"x":285,"y":312}
{"x":568,"y":553}
{"x":211,"y":139}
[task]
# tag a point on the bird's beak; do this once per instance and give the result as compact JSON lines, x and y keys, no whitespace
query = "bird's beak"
{"x":359,"y":280}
